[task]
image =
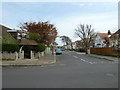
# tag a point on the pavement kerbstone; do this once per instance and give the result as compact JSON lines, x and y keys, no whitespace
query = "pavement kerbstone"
{"x":110,"y":58}
{"x":47,"y":59}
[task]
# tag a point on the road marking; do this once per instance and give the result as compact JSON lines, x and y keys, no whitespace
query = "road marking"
{"x":87,"y":61}
{"x":80,"y":53}
{"x":82,"y":59}
{"x":91,"y":63}
{"x":75,"y":56}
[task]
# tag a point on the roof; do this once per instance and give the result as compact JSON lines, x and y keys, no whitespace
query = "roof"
{"x":71,"y":43}
{"x":27,"y":42}
{"x":11,"y":30}
{"x":7,"y":37}
{"x":7,"y":28}
{"x":114,"y":36}
{"x":103,"y":35}
{"x":117,"y":32}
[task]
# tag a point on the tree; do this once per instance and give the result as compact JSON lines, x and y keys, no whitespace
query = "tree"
{"x":65,"y":39}
{"x":34,"y":36}
{"x":55,"y":43}
{"x":47,"y":32}
{"x":86,"y":33}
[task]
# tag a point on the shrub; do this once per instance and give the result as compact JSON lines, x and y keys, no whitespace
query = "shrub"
{"x":40,"y":47}
{"x":10,"y":47}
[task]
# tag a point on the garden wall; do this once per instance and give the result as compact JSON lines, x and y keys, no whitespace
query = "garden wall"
{"x":6,"y":55}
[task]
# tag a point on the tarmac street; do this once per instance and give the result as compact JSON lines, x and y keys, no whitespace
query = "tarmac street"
{"x":72,"y":70}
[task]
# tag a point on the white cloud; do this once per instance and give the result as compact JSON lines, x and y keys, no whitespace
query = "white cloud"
{"x":101,"y":23}
{"x":82,"y":4}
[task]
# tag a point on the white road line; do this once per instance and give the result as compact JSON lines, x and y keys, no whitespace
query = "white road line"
{"x":75,"y":56}
{"x":87,"y":61}
{"x":91,"y":63}
{"x":80,"y":53}
{"x":82,"y":59}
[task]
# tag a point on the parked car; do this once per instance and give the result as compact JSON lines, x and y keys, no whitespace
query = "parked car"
{"x":58,"y":51}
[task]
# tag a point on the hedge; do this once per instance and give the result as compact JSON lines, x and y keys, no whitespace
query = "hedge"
{"x":15,"y":47}
{"x":10,"y":47}
{"x":39,"y":48}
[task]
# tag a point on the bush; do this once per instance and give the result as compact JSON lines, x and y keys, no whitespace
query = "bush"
{"x":10,"y":47}
{"x":40,"y":47}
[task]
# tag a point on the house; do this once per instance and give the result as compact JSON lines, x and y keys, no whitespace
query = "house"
{"x":65,"y":47}
{"x":115,"y":39}
{"x":102,"y":40}
{"x":71,"y":45}
{"x":7,"y":38}
{"x":10,"y":36}
{"x":17,"y":34}
{"x":78,"y":44}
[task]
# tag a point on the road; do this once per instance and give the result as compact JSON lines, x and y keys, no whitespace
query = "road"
{"x":72,"y":70}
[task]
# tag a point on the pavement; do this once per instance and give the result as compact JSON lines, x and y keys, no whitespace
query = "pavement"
{"x":47,"y":59}
{"x":110,"y":58}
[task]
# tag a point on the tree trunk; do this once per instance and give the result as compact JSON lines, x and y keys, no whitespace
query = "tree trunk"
{"x":87,"y":51}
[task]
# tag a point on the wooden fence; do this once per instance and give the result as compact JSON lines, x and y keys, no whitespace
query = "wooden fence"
{"x":102,"y":51}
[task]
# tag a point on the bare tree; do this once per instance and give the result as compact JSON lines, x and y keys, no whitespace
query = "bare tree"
{"x":86,"y":33}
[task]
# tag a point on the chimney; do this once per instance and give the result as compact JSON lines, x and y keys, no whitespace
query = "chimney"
{"x":109,"y":33}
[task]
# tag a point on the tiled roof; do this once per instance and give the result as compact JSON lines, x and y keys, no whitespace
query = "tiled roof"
{"x":71,"y":43}
{"x":117,"y":32}
{"x":103,"y":35}
{"x":114,"y":36}
{"x":28,"y":42}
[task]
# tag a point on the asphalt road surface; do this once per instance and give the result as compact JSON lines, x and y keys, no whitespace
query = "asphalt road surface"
{"x":72,"y":70}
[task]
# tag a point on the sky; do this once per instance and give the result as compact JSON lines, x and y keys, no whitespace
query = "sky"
{"x":66,"y":16}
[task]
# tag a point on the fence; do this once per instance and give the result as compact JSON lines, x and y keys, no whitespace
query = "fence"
{"x":102,"y":51}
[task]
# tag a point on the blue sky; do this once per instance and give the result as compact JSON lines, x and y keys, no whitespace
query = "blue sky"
{"x":64,"y":15}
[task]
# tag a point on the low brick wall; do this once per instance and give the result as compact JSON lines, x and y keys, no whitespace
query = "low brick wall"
{"x":102,"y":51}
